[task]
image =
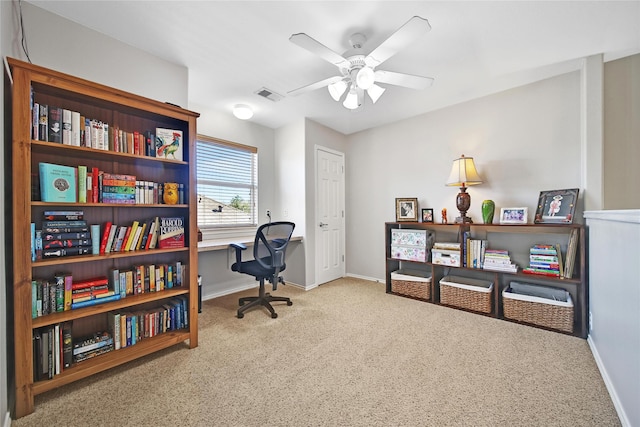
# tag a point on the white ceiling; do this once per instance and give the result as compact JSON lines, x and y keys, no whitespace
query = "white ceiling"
{"x":234,"y":48}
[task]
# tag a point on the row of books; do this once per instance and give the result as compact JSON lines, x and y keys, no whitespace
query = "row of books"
{"x":67,"y":184}
{"x":54,"y":124}
{"x":55,"y":349}
{"x":59,"y":238}
{"x":62,"y":293}
{"x":129,"y":328}
{"x":158,"y":232}
{"x":144,"y":278}
{"x":52,"y":350}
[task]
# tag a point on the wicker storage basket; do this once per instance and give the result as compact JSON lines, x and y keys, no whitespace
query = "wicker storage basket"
{"x":467,"y":293}
{"x":538,"y":311}
{"x":411,"y":283}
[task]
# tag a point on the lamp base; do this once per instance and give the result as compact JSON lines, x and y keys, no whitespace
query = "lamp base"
{"x":463,"y":220}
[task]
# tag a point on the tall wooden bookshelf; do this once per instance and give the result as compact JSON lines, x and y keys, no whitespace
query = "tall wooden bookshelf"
{"x":131,"y":113}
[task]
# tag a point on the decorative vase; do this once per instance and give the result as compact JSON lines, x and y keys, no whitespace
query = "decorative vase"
{"x":488,"y":209}
{"x":170,"y":194}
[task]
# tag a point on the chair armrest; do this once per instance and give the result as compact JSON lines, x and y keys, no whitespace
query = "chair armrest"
{"x":239,"y":247}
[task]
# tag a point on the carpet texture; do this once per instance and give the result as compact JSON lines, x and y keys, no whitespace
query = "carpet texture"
{"x":345,"y":354}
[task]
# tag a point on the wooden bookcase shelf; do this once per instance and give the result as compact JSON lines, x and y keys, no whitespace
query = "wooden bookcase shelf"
{"x":131,"y":113}
{"x":517,"y":239}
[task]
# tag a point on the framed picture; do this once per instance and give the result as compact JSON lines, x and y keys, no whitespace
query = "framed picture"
{"x":427,"y":215}
{"x":407,"y":209}
{"x":556,"y":206}
{"x":513,"y":215}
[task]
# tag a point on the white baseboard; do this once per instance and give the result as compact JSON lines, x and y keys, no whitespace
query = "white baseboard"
{"x":607,"y":382}
{"x":7,"y":420}
{"x":371,"y":279}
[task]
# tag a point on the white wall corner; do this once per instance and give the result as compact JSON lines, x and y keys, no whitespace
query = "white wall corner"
{"x":592,"y":131}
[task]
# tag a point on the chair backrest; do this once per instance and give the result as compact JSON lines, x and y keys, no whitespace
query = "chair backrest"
{"x":271,"y":244}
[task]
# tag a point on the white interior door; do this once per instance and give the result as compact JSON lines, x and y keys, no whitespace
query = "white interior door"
{"x":330,"y":262}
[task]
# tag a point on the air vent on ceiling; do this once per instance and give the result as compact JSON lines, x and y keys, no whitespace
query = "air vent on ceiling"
{"x":269,"y":94}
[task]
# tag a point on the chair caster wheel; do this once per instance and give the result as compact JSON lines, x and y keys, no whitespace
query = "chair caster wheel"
{"x":289,"y":302}
{"x":274,"y":315}
{"x":240,"y":315}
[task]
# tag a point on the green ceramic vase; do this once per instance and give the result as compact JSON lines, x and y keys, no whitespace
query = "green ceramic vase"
{"x":488,"y":209}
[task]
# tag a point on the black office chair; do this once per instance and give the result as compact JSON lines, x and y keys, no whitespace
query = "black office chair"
{"x":269,"y":250}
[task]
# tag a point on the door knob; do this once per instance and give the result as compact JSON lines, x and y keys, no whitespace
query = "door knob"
{"x":322,"y":224}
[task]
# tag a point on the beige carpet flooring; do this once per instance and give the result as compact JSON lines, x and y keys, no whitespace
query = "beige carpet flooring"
{"x":345,"y":354}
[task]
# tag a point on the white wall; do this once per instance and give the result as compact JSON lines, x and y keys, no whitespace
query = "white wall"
{"x":614,"y":305}
{"x":217,"y":278}
{"x":523,"y":141}
{"x":621,"y":133}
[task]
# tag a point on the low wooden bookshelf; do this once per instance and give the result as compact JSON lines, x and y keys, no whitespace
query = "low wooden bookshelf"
{"x":517,"y":239}
{"x":128,"y":113}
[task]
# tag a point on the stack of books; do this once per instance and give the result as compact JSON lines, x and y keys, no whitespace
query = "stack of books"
{"x":63,"y":233}
{"x":545,"y":260}
{"x":95,"y":345}
{"x":93,"y":291}
{"x":118,"y":188}
{"x":498,"y":260}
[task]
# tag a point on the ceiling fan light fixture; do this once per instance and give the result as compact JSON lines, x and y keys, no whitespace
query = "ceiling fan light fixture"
{"x":337,"y":89}
{"x":351,"y":101}
{"x":242,"y":111}
{"x":375,"y":92}
{"x":365,"y":78}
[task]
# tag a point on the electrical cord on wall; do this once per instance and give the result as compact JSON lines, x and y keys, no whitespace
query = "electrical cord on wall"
{"x":23,"y":40}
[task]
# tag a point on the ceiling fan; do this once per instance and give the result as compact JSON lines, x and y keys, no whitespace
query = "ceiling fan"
{"x":358,"y":71}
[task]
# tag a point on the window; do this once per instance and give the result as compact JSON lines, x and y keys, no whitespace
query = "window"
{"x":227,"y":184}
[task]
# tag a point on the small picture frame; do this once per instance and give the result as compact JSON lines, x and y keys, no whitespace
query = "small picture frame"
{"x":513,"y":215}
{"x":427,"y":215}
{"x":556,"y":206}
{"x":406,"y":209}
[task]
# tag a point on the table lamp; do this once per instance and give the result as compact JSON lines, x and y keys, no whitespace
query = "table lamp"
{"x":463,"y":174}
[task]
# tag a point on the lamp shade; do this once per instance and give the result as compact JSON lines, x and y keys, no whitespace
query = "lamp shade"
{"x":463,"y":173}
{"x":337,"y":89}
{"x":351,"y":101}
{"x":375,"y":92}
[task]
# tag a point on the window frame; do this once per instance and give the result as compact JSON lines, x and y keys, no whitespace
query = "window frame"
{"x":210,"y":231}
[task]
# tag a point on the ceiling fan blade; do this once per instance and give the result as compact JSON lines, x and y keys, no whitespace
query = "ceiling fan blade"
{"x":401,"y":79}
{"x":410,"y":31}
{"x":314,"y":86}
{"x":314,"y":46}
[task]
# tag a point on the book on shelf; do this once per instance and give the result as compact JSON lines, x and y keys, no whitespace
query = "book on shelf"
{"x":43,"y":122}
{"x":53,"y":253}
{"x":105,"y":237}
{"x":95,"y":301}
{"x":171,"y":233}
{"x":66,"y":126}
{"x":82,"y":184}
{"x":55,"y":124}
{"x":57,"y":183}
{"x":63,"y":215}
{"x":169,"y":143}
{"x":66,"y":243}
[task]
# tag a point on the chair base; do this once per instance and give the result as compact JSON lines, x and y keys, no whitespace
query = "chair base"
{"x":247,"y":303}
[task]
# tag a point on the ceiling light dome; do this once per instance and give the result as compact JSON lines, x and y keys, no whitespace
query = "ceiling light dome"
{"x":242,"y":111}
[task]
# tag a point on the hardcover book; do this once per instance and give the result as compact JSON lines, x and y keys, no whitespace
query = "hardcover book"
{"x":55,"y":124}
{"x":57,"y":183}
{"x":171,"y":233}
{"x":169,"y":144}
